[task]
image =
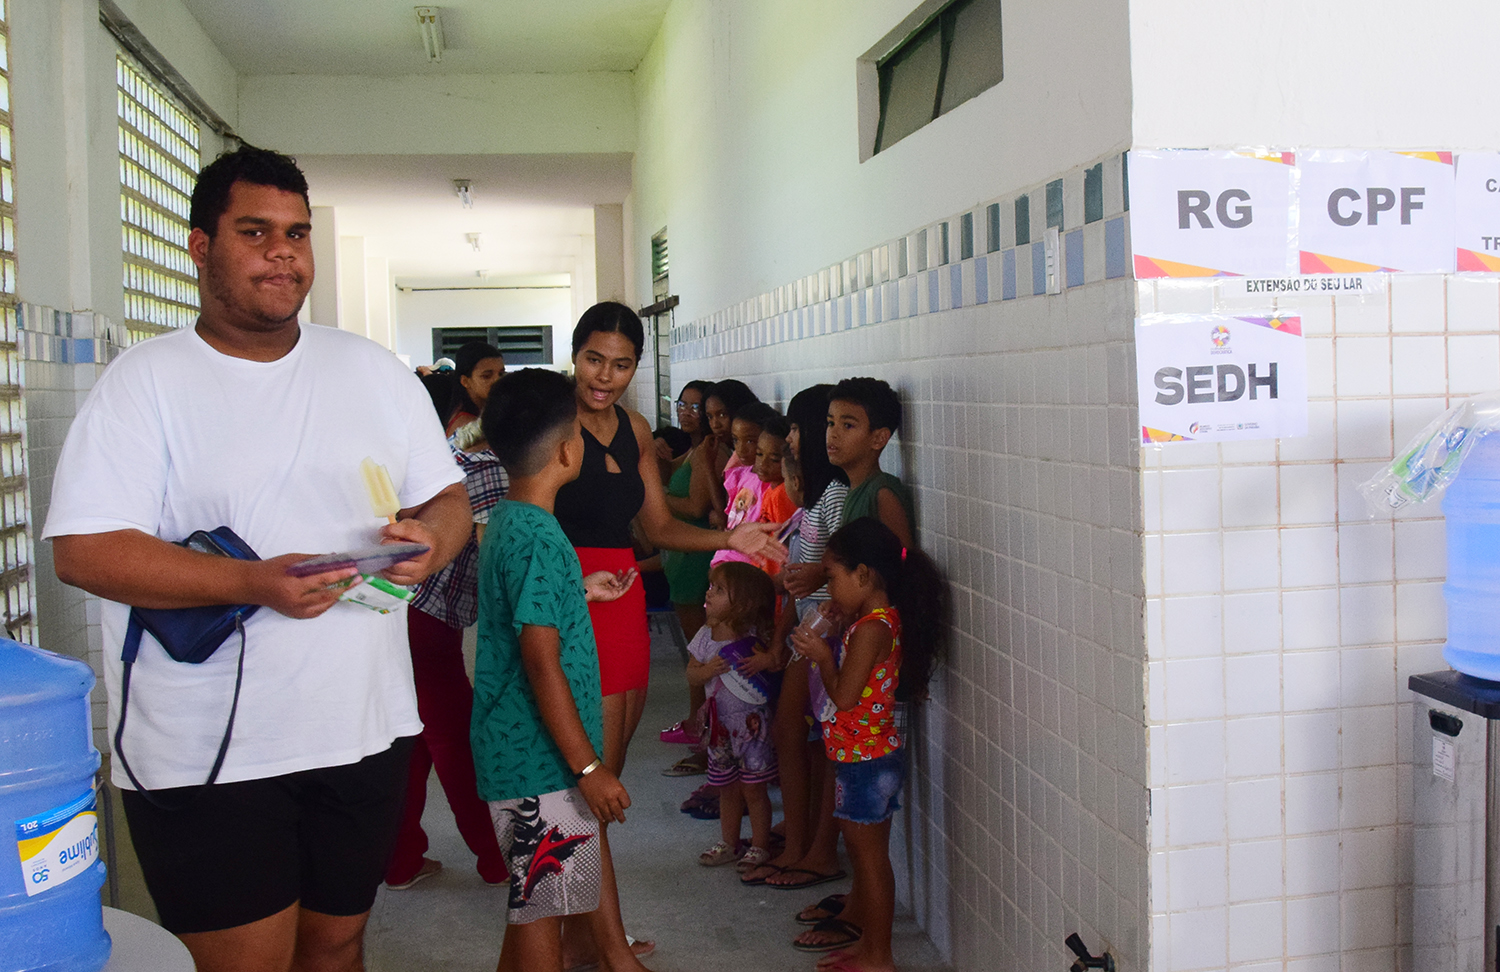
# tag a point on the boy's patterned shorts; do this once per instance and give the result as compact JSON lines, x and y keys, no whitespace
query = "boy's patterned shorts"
{"x":551,"y":844}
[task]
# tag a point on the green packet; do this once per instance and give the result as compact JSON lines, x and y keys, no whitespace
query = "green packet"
{"x":378,"y":594}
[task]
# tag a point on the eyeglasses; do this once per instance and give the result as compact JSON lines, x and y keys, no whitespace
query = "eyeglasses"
{"x":690,"y":406}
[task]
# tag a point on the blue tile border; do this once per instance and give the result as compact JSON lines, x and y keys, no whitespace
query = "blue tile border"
{"x":1073,"y":250}
{"x":1115,"y":262}
{"x":886,"y":282}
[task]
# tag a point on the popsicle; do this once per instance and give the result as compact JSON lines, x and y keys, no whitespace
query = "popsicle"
{"x":383,"y":499}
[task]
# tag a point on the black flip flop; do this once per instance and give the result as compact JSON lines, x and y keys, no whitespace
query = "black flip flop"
{"x":761,"y":880}
{"x":833,"y":904}
{"x":851,"y":933}
{"x":817,"y":879}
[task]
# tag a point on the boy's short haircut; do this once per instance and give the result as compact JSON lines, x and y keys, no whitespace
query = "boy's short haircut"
{"x":758,"y":412}
{"x":878,"y":399}
{"x":257,"y":166}
{"x":790,"y":464}
{"x":528,"y":413}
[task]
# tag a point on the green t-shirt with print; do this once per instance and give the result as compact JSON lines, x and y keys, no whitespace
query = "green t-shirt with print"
{"x":528,"y":574}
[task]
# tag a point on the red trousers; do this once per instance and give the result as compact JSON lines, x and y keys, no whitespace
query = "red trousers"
{"x":445,"y":700}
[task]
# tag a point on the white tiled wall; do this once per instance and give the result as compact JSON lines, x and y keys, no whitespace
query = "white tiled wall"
{"x":54,"y":386}
{"x":1282,"y":622}
{"x":1027,"y":815}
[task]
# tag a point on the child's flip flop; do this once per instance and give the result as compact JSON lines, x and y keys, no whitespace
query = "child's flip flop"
{"x":848,"y":932}
{"x":638,"y":948}
{"x":832,"y":906}
{"x":815,"y":878}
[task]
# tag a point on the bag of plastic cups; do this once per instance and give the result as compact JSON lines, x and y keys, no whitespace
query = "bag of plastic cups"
{"x":1431,"y":460}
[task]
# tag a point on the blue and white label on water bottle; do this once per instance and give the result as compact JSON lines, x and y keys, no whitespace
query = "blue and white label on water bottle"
{"x":58,"y":845}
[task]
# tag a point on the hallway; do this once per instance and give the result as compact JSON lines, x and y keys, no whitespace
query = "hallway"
{"x":699,"y":918}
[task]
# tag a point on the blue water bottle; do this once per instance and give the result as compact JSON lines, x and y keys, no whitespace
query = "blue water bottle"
{"x":51,"y":868}
{"x":1472,"y":593}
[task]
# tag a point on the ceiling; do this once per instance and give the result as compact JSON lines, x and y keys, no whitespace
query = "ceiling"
{"x":380,"y":37}
{"x":554,"y":180}
{"x":534,"y":213}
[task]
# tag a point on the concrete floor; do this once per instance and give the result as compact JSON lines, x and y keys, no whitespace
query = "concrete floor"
{"x":702,"y":919}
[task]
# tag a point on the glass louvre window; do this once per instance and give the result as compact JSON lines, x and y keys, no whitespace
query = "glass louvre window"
{"x":951,"y":58}
{"x":909,"y":86}
{"x":659,"y":265}
{"x":973,"y":62}
{"x":159,"y":159}
{"x":16,"y":596}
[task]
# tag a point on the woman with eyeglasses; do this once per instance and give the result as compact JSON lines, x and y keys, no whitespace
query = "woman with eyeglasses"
{"x":687,"y":571}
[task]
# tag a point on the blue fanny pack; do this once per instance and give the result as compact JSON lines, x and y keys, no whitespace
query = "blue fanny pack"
{"x":189,"y":635}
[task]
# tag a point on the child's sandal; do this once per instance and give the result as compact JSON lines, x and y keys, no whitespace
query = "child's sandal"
{"x":719,"y":853}
{"x":753,"y":858}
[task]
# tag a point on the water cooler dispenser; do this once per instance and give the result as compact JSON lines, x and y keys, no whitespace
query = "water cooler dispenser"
{"x":1456,"y":746}
{"x":1455,"y":824}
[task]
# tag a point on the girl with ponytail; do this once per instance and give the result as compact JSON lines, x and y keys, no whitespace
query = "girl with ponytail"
{"x":895,"y":596}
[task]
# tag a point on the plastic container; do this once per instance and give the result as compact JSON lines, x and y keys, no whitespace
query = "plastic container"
{"x":1472,"y":593}
{"x":51,"y":868}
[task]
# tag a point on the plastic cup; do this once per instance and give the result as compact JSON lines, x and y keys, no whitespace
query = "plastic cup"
{"x":818,"y":625}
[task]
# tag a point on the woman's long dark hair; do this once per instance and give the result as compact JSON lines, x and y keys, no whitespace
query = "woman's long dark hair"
{"x":733,"y":393}
{"x":808,"y":411}
{"x":464,"y":363}
{"x":915,"y":587}
{"x":440,"y":385}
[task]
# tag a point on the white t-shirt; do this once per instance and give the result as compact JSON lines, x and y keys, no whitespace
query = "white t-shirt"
{"x":177,"y":437}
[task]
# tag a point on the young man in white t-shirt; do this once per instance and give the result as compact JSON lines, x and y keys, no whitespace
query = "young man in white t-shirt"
{"x":252,"y":421}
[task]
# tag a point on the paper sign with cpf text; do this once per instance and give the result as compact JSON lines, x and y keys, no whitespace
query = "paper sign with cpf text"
{"x":1213,"y":378}
{"x":1477,"y":230}
{"x":1201,"y":213}
{"x":1364,"y":212}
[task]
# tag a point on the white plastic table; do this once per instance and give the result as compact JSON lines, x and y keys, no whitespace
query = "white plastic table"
{"x":140,"y":946}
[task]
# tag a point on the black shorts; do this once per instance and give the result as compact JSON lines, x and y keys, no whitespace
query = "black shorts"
{"x":239,"y":852}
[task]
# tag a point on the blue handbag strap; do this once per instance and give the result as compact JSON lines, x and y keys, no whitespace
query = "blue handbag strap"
{"x":133,"y":632}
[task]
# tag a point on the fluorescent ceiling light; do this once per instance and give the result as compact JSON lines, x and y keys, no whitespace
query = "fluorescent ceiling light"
{"x":473,"y":241}
{"x":465,"y":191}
{"x":431,"y":26}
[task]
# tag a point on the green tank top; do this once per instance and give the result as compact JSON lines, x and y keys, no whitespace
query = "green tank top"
{"x":687,"y":572}
{"x":680,"y":486}
{"x":862,"y":499}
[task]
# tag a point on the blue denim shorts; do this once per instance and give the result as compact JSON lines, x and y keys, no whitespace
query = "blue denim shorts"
{"x":865,"y":793}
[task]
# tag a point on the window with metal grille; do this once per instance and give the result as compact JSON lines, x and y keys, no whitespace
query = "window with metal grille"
{"x":949,"y":58}
{"x":159,"y":161}
{"x":519,"y":345}
{"x":19,"y":605}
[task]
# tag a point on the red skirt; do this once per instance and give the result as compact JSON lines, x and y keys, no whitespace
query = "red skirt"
{"x":620,"y":631}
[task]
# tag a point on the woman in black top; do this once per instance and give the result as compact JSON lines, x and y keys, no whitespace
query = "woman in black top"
{"x":619,"y":481}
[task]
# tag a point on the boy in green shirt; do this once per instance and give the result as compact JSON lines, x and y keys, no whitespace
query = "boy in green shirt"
{"x":863,"y":414}
{"x":537,"y":728}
